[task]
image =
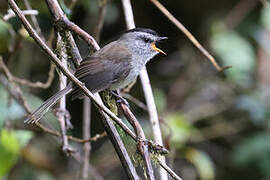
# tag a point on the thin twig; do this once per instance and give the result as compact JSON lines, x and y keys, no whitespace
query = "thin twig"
{"x":136,"y":101}
{"x":13,"y":88}
{"x":188,"y":34}
{"x":86,"y":134}
{"x":61,"y":112}
{"x":11,"y":14}
{"x":78,"y":140}
{"x":169,"y":170}
{"x":37,"y":84}
{"x":33,"y":19}
{"x":87,"y":103}
{"x":57,"y":14}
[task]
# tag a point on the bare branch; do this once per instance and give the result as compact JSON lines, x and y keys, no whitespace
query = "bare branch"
{"x":136,"y":101}
{"x":37,"y":84}
{"x":142,"y":144}
{"x":33,"y":19}
{"x":11,"y":14}
{"x":188,"y":34}
{"x":61,"y":112}
{"x":86,"y":134}
{"x":168,"y":169}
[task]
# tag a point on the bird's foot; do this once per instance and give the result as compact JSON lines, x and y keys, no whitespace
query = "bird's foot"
{"x":120,"y":99}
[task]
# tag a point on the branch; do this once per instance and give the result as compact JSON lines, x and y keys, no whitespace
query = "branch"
{"x":87,"y":103}
{"x":86,"y":134}
{"x":37,"y":84}
{"x":168,"y":169}
{"x":11,"y":14}
{"x":62,"y":115}
{"x":142,"y":144}
{"x":34,"y":19}
{"x":188,"y":34}
{"x":136,"y":101}
{"x":57,"y":13}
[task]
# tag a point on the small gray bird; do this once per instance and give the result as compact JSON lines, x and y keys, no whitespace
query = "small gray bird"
{"x":112,"y":67}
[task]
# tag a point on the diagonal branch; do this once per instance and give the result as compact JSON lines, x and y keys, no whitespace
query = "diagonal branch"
{"x":188,"y":34}
{"x":37,"y":84}
{"x":33,"y":19}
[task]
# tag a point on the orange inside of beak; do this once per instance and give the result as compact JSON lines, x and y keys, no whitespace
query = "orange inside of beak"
{"x":154,"y":47}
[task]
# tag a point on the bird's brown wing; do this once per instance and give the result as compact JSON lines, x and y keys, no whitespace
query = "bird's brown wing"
{"x":99,"y":73}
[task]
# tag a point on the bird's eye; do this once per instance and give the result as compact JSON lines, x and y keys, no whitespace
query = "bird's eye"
{"x":146,"y":40}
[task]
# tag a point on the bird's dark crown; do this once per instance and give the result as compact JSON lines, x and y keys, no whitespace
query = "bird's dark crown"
{"x":145,"y":30}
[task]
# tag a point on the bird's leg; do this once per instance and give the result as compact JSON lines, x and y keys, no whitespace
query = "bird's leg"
{"x":120,"y":99}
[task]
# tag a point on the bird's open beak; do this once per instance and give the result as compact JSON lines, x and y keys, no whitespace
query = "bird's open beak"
{"x":154,"y":47}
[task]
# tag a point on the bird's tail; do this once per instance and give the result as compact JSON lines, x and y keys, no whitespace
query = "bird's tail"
{"x":39,"y":112}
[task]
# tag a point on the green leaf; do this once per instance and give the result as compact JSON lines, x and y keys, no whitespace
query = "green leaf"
{"x":202,"y":162}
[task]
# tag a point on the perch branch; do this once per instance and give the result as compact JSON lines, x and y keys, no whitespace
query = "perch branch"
{"x":142,"y":144}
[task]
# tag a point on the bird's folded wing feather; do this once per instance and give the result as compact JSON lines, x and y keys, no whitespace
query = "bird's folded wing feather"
{"x":100,"y":72}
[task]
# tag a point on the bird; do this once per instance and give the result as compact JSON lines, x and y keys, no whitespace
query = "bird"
{"x":112,"y":67}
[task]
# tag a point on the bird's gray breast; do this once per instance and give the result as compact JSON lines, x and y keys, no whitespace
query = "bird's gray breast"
{"x":136,"y":67}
